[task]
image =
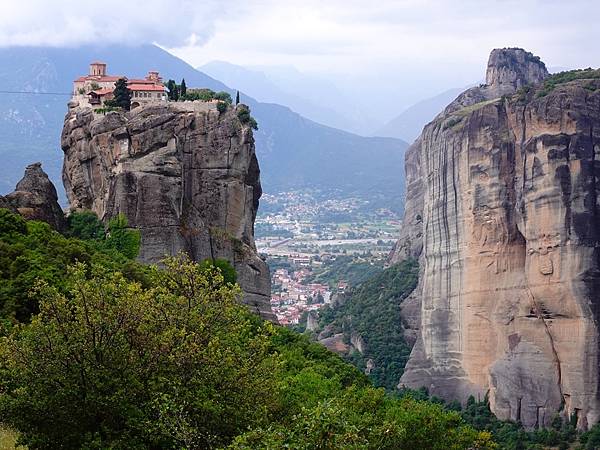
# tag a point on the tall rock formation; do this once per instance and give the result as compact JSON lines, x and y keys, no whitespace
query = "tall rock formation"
{"x":35,"y":198}
{"x":502,"y":210}
{"x":186,"y":176}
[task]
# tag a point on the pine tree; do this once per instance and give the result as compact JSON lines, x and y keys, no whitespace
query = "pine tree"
{"x":237,"y":98}
{"x":182,"y":88}
{"x":122,"y":94}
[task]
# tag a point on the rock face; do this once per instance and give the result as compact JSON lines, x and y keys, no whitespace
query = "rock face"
{"x":502,"y":210}
{"x":186,"y":176}
{"x":35,"y":198}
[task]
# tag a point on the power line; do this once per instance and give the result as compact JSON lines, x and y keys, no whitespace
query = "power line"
{"x":35,"y":93}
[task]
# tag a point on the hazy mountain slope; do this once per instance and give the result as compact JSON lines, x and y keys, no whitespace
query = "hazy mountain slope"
{"x":260,"y":86}
{"x":293,"y":151}
{"x":409,"y":124}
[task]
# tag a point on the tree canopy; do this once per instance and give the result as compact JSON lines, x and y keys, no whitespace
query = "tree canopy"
{"x":113,"y":354}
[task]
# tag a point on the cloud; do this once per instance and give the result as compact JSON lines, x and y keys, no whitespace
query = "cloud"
{"x":417,"y":46}
{"x":77,"y":22}
{"x":351,"y":34}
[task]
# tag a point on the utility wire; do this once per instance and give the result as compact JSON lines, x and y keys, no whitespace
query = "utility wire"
{"x":35,"y":93}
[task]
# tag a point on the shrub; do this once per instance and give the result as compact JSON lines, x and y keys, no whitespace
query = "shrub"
{"x":221,"y":107}
{"x":224,"y":97}
{"x":113,"y":365}
{"x":243,"y":113}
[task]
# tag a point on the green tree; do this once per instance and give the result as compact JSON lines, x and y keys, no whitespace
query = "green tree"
{"x":243,"y":113}
{"x":85,"y":225}
{"x":224,"y":97}
{"x":366,"y":419}
{"x":113,"y":365}
{"x":122,"y":95}
{"x":182,"y":88}
{"x":237,"y":98}
{"x":122,"y":238}
{"x":221,"y":107}
{"x":173,"y":93}
{"x":32,"y":250}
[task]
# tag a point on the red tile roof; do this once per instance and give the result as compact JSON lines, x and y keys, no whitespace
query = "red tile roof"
{"x":99,"y":79}
{"x":145,"y":87}
{"x":102,"y":92}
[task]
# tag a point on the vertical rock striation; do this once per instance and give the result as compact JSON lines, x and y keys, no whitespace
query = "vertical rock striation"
{"x":502,"y":210}
{"x":187,"y":177}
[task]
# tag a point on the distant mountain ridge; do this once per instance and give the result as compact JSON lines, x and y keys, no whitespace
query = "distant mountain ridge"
{"x":410,"y":122}
{"x":258,"y":84}
{"x":293,"y":152}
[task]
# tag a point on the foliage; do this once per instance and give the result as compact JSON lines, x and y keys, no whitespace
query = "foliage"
{"x":221,"y":107}
{"x":511,"y":436}
{"x":243,"y":113}
{"x":346,"y":268}
{"x":565,"y":77}
{"x":223,"y":96}
{"x":124,"y":357}
{"x":122,"y":95}
{"x":372,"y":311}
{"x":85,"y":225}
{"x":106,"y":109}
{"x":223,"y":266}
{"x":365,"y":418}
{"x":123,"y":239}
{"x":590,"y":440}
{"x":173,"y":89}
{"x":182,"y":88}
{"x":110,"y":364}
{"x":204,"y":95}
{"x":31,"y":250}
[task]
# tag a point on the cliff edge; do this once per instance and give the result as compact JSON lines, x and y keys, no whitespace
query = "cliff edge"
{"x":502,"y":211}
{"x":186,"y":176}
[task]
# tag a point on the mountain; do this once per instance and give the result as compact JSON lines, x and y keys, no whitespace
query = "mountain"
{"x":410,"y":122}
{"x":294,"y":152}
{"x":261,"y":86}
{"x":502,"y":211}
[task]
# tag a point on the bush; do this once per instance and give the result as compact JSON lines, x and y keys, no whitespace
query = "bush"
{"x":224,"y":97}
{"x":85,"y":225}
{"x":122,"y":238}
{"x":32,"y":250}
{"x":243,"y":113}
{"x":221,"y":107}
{"x":113,"y":365}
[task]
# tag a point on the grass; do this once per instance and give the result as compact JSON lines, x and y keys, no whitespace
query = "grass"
{"x":458,"y":116}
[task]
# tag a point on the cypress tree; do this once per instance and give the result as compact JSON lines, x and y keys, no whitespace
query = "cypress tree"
{"x":237,"y":98}
{"x":172,"y":87}
{"x":122,"y":94}
{"x":182,"y":88}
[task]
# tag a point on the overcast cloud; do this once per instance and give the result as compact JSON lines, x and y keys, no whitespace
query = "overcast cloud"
{"x":425,"y":45}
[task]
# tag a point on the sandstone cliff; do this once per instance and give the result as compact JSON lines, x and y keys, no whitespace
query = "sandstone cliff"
{"x":185,"y":176}
{"x":35,"y":198}
{"x":502,"y":210}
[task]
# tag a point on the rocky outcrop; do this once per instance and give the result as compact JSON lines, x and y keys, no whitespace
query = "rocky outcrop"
{"x":502,"y":210}
{"x":186,"y":176}
{"x":35,"y":198}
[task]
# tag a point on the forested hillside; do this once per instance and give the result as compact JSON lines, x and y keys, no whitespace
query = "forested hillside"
{"x":98,"y":351}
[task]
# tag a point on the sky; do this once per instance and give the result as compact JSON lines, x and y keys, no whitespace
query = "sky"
{"x":419,"y":46}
